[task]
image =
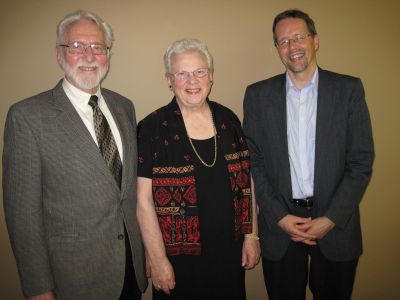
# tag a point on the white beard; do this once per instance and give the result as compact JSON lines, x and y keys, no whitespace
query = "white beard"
{"x":89,"y":81}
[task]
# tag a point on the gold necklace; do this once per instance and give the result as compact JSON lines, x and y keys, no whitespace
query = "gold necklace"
{"x":215,"y":147}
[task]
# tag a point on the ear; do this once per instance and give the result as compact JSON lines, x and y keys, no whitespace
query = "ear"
{"x":316,"y":42}
{"x":59,"y":56}
{"x":211,"y":76}
{"x":168,"y":80}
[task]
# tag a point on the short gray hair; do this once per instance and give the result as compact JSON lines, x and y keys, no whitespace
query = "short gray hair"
{"x":187,"y":45}
{"x":84,"y":15}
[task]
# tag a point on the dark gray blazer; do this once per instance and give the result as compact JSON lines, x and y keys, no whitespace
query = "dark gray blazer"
{"x":343,"y":161}
{"x":64,"y":211}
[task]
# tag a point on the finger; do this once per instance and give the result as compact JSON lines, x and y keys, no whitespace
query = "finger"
{"x":303,"y":226}
{"x":300,"y":233}
{"x":309,"y":242}
{"x":171,"y":284}
{"x":250,"y":264}
{"x":244,"y":259}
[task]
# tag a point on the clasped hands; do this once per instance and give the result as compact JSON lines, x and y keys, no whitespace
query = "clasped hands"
{"x":306,"y":230}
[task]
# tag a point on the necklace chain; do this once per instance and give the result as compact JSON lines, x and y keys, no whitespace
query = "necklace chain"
{"x":215,"y":147}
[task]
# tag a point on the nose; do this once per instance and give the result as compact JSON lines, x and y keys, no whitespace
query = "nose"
{"x":191,"y":77}
{"x":292,"y":43}
{"x":89,"y":54}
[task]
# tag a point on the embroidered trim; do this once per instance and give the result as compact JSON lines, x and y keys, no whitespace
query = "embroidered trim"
{"x":173,"y":181}
{"x":239,"y":166}
{"x":237,"y":155}
{"x":173,"y":170}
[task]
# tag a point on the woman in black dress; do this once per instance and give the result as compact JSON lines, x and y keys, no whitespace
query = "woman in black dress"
{"x":195,"y":204}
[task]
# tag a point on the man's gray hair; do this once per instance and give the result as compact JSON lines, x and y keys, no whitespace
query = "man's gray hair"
{"x":84,"y":15}
{"x":187,"y":45}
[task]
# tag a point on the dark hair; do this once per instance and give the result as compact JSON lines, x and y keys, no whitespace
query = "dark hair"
{"x":297,"y":14}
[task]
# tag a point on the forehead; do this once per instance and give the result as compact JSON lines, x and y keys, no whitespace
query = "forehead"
{"x":188,"y":59}
{"x":290,"y":26}
{"x":85,"y":31}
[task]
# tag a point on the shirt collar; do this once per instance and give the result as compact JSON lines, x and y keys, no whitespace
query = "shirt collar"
{"x":78,"y":96}
{"x":313,"y":82}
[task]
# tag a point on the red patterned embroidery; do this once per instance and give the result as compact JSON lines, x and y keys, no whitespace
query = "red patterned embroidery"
{"x":166,"y":228}
{"x":176,"y":137}
{"x":186,"y":157}
{"x":233,"y":183}
{"x":177,"y":196}
{"x":178,"y":230}
{"x":141,"y":159}
{"x":223,"y":126}
{"x":190,"y":194}
{"x":245,"y":209}
{"x":166,"y":142}
{"x":193,"y":230}
{"x":165,"y":123}
{"x":246,"y":164}
{"x":234,"y":167}
{"x":162,"y":196}
{"x":242,"y":179}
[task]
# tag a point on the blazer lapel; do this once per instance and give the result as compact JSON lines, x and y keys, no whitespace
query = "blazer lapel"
{"x":128,"y":140}
{"x":75,"y":129}
{"x":326,"y":99}
{"x":280,"y":121}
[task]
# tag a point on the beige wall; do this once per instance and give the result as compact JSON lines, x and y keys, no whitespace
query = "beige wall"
{"x":356,"y":37}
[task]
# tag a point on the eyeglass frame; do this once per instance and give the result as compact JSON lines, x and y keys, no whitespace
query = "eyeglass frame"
{"x":298,"y":39}
{"x":188,"y":74}
{"x":71,"y":50}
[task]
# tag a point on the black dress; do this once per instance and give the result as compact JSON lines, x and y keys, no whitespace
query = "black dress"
{"x":216,"y":273}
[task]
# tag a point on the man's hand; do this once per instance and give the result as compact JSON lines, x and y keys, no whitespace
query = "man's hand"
{"x":293,"y":226}
{"x":317,"y":227}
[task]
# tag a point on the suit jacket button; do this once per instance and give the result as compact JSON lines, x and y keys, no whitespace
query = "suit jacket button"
{"x":120,"y":236}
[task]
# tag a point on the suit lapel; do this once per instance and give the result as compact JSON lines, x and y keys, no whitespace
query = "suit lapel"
{"x":326,"y":99}
{"x":128,"y":141}
{"x":73,"y":126}
{"x":280,"y":120}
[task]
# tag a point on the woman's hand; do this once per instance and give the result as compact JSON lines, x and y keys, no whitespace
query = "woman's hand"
{"x":250,"y":252}
{"x":162,"y":275}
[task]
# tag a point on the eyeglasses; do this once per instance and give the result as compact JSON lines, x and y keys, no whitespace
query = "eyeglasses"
{"x":80,"y":48}
{"x":298,"y":39}
{"x":184,"y":75}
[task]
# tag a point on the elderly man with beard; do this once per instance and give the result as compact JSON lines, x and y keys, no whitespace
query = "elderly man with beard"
{"x":69,"y":168}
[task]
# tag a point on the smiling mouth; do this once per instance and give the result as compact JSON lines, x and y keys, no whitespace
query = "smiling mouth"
{"x":193,"y":91}
{"x":296,"y":56}
{"x":87,"y":69}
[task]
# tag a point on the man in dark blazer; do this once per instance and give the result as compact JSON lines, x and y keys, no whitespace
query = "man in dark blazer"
{"x":72,"y":224}
{"x":310,"y":140}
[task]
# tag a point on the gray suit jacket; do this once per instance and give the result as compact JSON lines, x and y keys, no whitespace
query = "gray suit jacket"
{"x":64,"y":211}
{"x":343,"y":161}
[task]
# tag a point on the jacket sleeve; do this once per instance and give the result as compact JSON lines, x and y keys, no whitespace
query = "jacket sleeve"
{"x":358,"y":160}
{"x":22,"y":197}
{"x":268,"y":202}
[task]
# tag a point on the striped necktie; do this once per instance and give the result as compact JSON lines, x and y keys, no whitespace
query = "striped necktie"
{"x":105,"y":140}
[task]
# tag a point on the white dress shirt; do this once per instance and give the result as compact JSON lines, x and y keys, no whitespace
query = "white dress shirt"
{"x":301,"y":127}
{"x":80,"y":101}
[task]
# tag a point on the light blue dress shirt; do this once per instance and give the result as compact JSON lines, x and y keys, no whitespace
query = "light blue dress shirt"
{"x":301,"y":125}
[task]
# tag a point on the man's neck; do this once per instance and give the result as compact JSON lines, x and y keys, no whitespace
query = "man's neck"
{"x":301,"y":79}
